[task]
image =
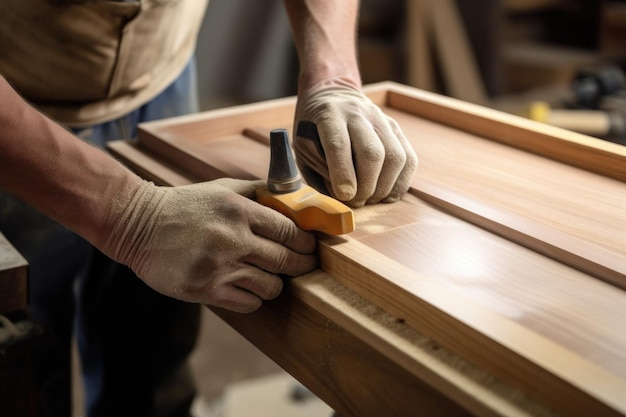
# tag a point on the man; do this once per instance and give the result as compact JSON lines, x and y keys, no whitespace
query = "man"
{"x":100,"y":67}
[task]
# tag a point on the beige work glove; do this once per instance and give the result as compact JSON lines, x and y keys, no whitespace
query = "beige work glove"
{"x":209,"y":243}
{"x":364,"y":157}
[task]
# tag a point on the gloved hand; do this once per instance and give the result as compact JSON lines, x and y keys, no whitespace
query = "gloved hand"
{"x":365,"y":157}
{"x":208,"y":243}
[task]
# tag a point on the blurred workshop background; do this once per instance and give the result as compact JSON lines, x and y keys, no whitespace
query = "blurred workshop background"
{"x":536,"y":58}
{"x":530,"y":57}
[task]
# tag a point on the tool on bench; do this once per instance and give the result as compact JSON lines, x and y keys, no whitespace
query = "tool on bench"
{"x":285,"y":193}
{"x":610,"y":125}
{"x":591,"y":86}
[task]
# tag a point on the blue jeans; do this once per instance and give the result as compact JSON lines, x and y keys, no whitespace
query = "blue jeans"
{"x":133,"y":342}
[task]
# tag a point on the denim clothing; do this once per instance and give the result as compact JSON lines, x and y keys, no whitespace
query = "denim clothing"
{"x":133,"y":342}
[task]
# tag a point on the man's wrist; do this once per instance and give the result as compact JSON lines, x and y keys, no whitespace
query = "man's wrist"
{"x":309,"y":82}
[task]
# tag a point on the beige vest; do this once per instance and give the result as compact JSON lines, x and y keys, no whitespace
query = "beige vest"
{"x":91,"y":63}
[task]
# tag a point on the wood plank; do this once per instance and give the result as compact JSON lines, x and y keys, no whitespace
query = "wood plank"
{"x":572,"y":201}
{"x":557,"y":373}
{"x":338,"y":357}
{"x":364,"y":362}
{"x":363,"y":332}
{"x":570,"y":247}
{"x":580,"y":375}
{"x":517,"y":367}
{"x":591,"y":154}
{"x":570,"y":250}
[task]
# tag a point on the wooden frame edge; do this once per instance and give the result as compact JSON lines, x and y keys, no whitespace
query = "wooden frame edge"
{"x":582,"y":151}
{"x":531,"y":359}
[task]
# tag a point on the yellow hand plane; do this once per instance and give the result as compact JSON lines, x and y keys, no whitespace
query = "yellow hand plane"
{"x":285,"y":193}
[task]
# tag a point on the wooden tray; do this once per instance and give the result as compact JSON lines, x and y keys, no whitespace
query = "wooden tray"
{"x":508,"y":250}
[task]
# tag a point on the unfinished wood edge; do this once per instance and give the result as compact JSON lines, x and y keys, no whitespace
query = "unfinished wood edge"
{"x":349,"y":374}
{"x":259,"y":134}
{"x":215,"y":123}
{"x":377,"y":92}
{"x":243,"y":110}
{"x":471,"y":387}
{"x":567,"y":249}
{"x":520,"y":355}
{"x":593,"y":154}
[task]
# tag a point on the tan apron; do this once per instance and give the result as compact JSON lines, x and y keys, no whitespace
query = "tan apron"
{"x":90,"y":63}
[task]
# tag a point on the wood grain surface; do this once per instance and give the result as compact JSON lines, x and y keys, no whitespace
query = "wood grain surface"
{"x":555,"y":331}
{"x":431,"y":377}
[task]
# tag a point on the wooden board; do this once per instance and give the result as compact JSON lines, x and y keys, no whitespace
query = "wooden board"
{"x":554,"y":331}
{"x":419,"y":373}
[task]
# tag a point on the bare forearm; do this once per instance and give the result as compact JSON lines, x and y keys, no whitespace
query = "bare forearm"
{"x":325,"y":36}
{"x":50,"y":169}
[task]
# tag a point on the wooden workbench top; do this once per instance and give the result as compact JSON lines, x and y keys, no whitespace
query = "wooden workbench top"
{"x":507,"y":252}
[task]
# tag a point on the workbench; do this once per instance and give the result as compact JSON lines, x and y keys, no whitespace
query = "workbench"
{"x":494,"y":288}
{"x":17,"y":333}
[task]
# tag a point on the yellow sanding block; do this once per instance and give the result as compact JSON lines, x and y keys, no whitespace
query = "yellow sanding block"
{"x":285,"y":193}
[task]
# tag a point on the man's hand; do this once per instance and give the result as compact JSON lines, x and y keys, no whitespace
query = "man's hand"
{"x":365,"y":157}
{"x":206,"y":243}
{"x":209,"y":243}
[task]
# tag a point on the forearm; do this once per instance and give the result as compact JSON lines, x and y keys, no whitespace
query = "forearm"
{"x":66,"y":179}
{"x":325,"y":36}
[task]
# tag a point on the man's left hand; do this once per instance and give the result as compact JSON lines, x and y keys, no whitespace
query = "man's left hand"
{"x":364,"y":157}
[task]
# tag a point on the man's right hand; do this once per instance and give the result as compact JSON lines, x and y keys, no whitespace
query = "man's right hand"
{"x":206,"y":243}
{"x":209,"y":243}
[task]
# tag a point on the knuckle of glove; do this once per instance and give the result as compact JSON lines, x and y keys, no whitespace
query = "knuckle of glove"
{"x":286,"y":231}
{"x":395,"y":159}
{"x":265,"y":287}
{"x":374,"y":151}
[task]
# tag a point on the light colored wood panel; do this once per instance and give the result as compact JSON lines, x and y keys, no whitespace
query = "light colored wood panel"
{"x":539,"y":363}
{"x":522,"y":370}
{"x":347,"y":372}
{"x":552,"y":372}
{"x":585,"y":315}
{"x":570,"y":200}
{"x":364,"y":327}
{"x":507,"y":186}
{"x":576,"y":252}
{"x":363,"y":362}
